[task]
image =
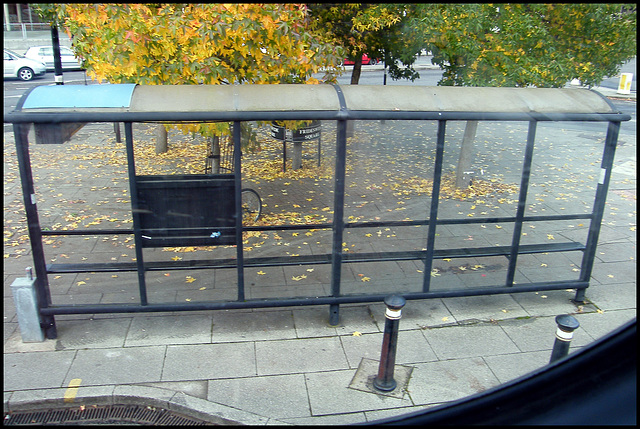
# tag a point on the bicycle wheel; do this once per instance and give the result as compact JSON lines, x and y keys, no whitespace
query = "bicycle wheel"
{"x":251,"y":205}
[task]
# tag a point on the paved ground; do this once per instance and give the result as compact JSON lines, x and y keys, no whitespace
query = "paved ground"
{"x":287,"y":365}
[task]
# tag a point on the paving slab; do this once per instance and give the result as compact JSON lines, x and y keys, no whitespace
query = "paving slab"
{"x":92,"y":333}
{"x":235,"y":326}
{"x":549,"y":303}
{"x":288,"y":356}
{"x":600,"y":324}
{"x":174,"y":329}
{"x":511,"y":366}
{"x":35,"y":370}
{"x":608,"y":297}
{"x":443,"y":381}
{"x":280,"y":396}
{"x":117,"y":366}
{"x":329,"y":393}
{"x":487,"y":307}
{"x":457,"y":342}
{"x":209,"y":361}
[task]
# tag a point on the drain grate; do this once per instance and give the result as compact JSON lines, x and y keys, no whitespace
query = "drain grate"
{"x":110,"y":414}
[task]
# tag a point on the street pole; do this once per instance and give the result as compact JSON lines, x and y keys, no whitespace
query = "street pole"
{"x":57,"y":64}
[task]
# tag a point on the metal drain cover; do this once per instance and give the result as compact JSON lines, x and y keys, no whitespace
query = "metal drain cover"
{"x":135,"y":415}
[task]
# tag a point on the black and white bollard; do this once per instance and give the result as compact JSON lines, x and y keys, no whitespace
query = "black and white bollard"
{"x":566,"y":325}
{"x":384,"y":380}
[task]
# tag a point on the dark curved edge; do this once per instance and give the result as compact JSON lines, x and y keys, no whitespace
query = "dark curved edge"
{"x":595,"y":385}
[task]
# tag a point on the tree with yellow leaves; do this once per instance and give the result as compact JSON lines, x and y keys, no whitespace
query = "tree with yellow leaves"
{"x":190,"y":44}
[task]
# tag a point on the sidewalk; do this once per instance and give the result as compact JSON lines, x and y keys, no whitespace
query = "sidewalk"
{"x":286,"y":365}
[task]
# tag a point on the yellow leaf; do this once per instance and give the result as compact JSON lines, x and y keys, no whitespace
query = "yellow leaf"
{"x":550,"y":237}
{"x":261,"y":273}
{"x":190,"y":279}
{"x":357,"y":334}
{"x":177,"y":258}
{"x":365,"y":279}
{"x":543,"y":265}
{"x":447,"y":259}
{"x":80,"y":283}
{"x":445,"y":318}
{"x":202,"y":288}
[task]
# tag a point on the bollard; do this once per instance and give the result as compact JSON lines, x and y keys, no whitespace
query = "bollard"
{"x":384,"y":380}
{"x":26,"y":302}
{"x":566,"y":325}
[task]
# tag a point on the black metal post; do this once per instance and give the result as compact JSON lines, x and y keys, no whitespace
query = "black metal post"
{"x":57,"y":63}
{"x":566,"y":325}
{"x":384,"y":381}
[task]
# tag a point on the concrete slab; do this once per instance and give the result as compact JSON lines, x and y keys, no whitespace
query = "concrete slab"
{"x":92,"y":333}
{"x":281,"y":396}
{"x":457,"y":342}
{"x":117,"y":366}
{"x":512,"y":366}
{"x":329,"y":394}
{"x":287,"y":356}
{"x":177,"y":329}
{"x":259,"y":325}
{"x":197,"y":389}
{"x":486,"y":307}
{"x":209,"y":361}
{"x":356,"y":319}
{"x":448,"y":380}
{"x":412,"y":347}
{"x":35,"y":370}
{"x":548,"y":303}
{"x":14,"y":344}
{"x":600,"y":324}
{"x":313,"y":322}
{"x":216,"y":413}
{"x":613,"y":296}
{"x":374,"y":416}
{"x":338,"y":419}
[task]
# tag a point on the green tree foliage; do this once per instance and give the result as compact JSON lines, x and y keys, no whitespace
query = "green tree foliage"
{"x":541,"y":45}
{"x":378,"y":30}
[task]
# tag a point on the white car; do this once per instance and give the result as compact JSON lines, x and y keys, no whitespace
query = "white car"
{"x":15,"y":65}
{"x":45,"y":55}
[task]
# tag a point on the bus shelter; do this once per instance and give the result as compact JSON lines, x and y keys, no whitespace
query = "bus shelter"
{"x":203,"y":209}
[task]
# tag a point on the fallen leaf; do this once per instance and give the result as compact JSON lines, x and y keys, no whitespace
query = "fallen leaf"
{"x":357,"y":334}
{"x":261,"y":273}
{"x":190,"y":279}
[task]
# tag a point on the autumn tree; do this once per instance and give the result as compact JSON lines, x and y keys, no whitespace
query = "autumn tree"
{"x":519,"y":45}
{"x":189,"y":44}
{"x":373,"y":29}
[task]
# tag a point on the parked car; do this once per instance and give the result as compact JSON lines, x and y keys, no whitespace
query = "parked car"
{"x":365,"y":60}
{"x":15,"y":65}
{"x":45,"y":54}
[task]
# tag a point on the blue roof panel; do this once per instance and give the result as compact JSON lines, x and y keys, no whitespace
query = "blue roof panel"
{"x":80,"y":96}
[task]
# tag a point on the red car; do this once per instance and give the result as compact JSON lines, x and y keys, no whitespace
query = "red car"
{"x":365,"y":60}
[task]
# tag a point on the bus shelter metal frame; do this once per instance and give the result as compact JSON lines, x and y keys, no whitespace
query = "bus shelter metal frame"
{"x":23,"y":117}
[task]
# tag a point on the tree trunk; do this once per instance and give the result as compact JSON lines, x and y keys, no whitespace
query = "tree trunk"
{"x":161,"y":139}
{"x":463,"y":172}
{"x":215,"y":151}
{"x":296,"y":159}
{"x":355,"y":78}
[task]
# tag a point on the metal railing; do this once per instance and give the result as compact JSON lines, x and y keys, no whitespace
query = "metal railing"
{"x":234,"y":228}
